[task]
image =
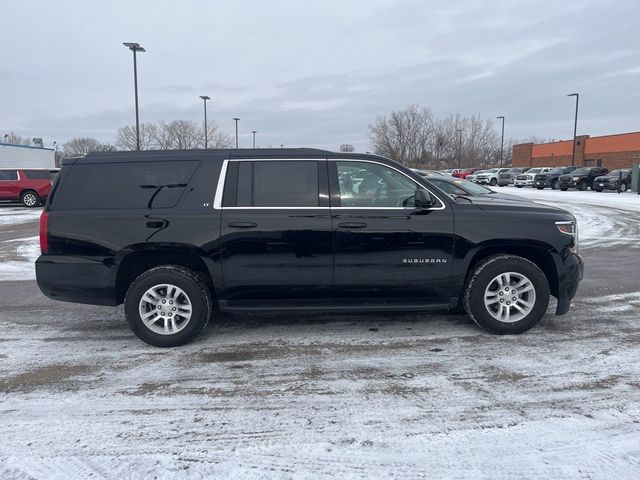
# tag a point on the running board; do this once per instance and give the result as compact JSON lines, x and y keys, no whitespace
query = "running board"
{"x":313,"y":305}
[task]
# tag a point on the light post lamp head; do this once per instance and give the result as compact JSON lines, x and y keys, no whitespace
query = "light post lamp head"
{"x":205,"y":97}
{"x":134,"y":47}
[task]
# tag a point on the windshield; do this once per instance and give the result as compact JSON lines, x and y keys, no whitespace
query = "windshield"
{"x":581,"y":171}
{"x":616,"y":173}
{"x":534,"y":170}
{"x":493,"y":170}
{"x":460,"y":187}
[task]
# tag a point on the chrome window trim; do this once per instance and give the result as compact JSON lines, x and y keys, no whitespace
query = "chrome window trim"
{"x":217,"y":202}
{"x":217,"y":199}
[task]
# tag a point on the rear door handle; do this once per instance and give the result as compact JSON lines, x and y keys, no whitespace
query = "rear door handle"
{"x":352,"y":225}
{"x":243,"y":225}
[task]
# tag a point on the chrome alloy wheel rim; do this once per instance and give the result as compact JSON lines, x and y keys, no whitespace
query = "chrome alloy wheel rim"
{"x":165,"y":309}
{"x":510,"y":297}
{"x":30,"y":199}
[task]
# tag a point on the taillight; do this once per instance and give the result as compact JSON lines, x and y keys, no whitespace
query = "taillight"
{"x":44,"y":232}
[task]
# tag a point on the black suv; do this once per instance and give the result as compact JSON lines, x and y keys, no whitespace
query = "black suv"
{"x":550,"y":179}
{"x":177,"y":235}
{"x":581,"y":178}
{"x":611,"y":180}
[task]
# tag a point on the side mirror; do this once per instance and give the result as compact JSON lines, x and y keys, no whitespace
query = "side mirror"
{"x":423,"y":199}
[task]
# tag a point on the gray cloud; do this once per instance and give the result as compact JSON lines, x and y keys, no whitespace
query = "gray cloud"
{"x":318,"y":74}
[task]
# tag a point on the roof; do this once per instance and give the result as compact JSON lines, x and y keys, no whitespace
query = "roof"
{"x":214,"y":154}
{"x":24,"y":146}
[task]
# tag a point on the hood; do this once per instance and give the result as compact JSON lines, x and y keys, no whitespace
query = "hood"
{"x":513,"y":202}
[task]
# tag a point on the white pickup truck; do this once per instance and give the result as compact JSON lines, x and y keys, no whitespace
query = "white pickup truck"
{"x":526,"y":179}
{"x":489,"y":177}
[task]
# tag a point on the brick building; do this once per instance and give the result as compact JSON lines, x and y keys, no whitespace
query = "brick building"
{"x":610,"y":151}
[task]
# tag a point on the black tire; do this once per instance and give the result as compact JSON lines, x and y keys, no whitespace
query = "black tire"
{"x":564,"y":189}
{"x":554,"y":185}
{"x":623,"y":187}
{"x":540,"y":188}
{"x":582,"y":186}
{"x":518,"y":186}
{"x":30,"y":199}
{"x":598,"y":189}
{"x":190,"y":283}
{"x":483,"y":276}
{"x":493,"y":182}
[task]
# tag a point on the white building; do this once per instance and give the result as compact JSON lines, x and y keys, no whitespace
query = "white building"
{"x":28,"y":157}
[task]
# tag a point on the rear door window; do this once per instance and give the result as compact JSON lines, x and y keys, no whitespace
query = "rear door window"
{"x":8,"y":175}
{"x":39,"y":174}
{"x":287,"y":183}
{"x":125,"y":185}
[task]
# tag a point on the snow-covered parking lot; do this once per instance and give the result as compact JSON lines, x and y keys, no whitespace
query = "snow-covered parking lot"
{"x":329,"y":396}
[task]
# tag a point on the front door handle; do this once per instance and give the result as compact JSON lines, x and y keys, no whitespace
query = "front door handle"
{"x":243,"y":225}
{"x":352,"y":225}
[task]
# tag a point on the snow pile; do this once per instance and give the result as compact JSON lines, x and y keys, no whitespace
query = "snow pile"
{"x":21,"y":265}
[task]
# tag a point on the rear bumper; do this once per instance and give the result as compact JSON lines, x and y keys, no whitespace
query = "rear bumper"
{"x":74,"y":279}
{"x":569,"y":279}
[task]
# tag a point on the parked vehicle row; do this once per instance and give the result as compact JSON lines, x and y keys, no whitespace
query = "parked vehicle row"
{"x":562,"y":178}
{"x":178,"y":235}
{"x":29,"y":186}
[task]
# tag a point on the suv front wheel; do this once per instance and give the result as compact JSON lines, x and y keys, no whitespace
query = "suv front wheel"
{"x":168,"y":306}
{"x":506,"y":294}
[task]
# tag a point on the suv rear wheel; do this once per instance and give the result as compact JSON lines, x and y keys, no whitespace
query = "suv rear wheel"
{"x":506,"y":294}
{"x":30,"y":199}
{"x":168,"y":306}
{"x":554,"y":184}
{"x":582,"y":186}
{"x":493,"y":182}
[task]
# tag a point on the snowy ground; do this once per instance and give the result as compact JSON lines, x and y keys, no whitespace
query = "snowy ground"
{"x":331,"y":396}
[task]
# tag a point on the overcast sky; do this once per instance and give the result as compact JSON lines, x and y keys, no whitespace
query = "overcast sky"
{"x":306,"y":73}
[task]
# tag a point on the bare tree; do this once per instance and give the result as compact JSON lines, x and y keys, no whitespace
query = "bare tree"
{"x":173,"y":135}
{"x":217,"y":138}
{"x":83,"y":145}
{"x":126,"y":137}
{"x":537,"y":139}
{"x":405,"y":135}
{"x":13,"y":139}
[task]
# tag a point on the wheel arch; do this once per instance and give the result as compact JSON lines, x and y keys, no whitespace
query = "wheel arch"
{"x":536,"y":254}
{"x":137,"y":259}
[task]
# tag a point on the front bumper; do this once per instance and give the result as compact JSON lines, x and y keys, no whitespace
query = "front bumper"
{"x":570,"y":274}
{"x":606,"y":185}
{"x":523,"y":183}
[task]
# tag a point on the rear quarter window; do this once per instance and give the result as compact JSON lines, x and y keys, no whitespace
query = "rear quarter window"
{"x":125,"y":185}
{"x":39,"y":174}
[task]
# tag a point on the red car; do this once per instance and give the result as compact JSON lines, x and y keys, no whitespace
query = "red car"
{"x":464,"y":173}
{"x":29,"y":186}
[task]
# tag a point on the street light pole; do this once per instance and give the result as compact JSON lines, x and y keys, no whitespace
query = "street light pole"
{"x":459,"y":130}
{"x":135,"y":48}
{"x":254,"y":138}
{"x":501,"y":139}
{"x":236,"y":119}
{"x":206,"y":131}
{"x":575,"y":128}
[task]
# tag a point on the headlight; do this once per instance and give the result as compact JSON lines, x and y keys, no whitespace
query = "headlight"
{"x":575,"y":178}
{"x":570,"y":227}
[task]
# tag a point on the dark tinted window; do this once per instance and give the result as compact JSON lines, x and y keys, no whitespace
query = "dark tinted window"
{"x":8,"y":175}
{"x":125,"y":185}
{"x":277,"y":184}
{"x":40,"y":174}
